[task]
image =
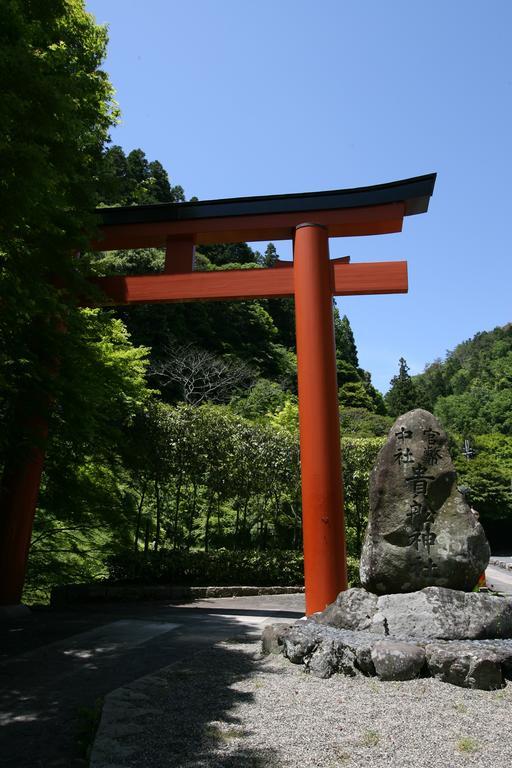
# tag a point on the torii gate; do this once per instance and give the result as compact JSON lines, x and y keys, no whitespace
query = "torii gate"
{"x":309,"y":220}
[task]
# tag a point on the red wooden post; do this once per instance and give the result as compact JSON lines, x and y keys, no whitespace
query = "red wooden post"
{"x":18,"y":501}
{"x":20,"y":483}
{"x":179,"y":255}
{"x":325,"y":571}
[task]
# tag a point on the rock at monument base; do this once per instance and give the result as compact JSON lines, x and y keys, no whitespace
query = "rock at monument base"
{"x":353,"y":609}
{"x":299,"y":643}
{"x":435,"y":612}
{"x":272,"y":637}
{"x":395,"y":660}
{"x":421,"y":531}
{"x":479,"y":668}
{"x":330,"y":657}
{"x":323,"y":662}
{"x":325,"y":651}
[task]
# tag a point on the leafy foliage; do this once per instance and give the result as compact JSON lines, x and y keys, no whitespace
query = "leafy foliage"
{"x":206,"y":477}
{"x":359,"y":456}
{"x":221,"y":567}
{"x":471,"y":391}
{"x":489,"y":476}
{"x":56,"y":109}
{"x":133,"y":180}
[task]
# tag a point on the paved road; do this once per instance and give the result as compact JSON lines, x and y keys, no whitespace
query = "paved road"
{"x":53,"y":665}
{"x":499,"y":579}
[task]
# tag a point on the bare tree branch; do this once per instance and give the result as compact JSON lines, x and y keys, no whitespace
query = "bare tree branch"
{"x":201,"y":375}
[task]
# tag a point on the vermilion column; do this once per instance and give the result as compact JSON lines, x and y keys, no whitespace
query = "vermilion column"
{"x":325,"y":571}
{"x":18,"y":501}
{"x":179,"y":256}
{"x":20,"y":483}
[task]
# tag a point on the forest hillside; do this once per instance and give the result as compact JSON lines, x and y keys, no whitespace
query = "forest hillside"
{"x":470,"y":391}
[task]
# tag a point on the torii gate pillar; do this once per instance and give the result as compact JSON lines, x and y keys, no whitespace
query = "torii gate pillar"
{"x":325,"y":569}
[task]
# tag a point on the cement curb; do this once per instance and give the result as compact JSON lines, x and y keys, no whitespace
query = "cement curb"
{"x":70,"y":594}
{"x":10,"y":613}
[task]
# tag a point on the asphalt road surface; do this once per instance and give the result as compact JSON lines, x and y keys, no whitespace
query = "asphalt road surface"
{"x":499,"y":579}
{"x":56,"y":666}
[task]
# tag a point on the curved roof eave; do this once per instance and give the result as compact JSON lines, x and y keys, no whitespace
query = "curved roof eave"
{"x":415,"y":193}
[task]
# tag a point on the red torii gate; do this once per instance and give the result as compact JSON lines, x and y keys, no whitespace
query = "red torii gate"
{"x":309,"y":220}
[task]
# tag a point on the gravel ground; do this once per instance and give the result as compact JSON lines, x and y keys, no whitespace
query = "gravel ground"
{"x":229,"y":707}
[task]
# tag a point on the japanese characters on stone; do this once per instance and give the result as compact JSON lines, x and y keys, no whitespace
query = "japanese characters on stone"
{"x":420,"y":517}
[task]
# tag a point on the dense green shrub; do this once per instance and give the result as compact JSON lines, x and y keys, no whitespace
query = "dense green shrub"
{"x":219,"y":567}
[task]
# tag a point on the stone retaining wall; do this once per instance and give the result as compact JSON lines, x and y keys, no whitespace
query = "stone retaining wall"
{"x":104,"y":592}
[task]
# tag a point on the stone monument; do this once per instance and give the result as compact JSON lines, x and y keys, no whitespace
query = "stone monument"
{"x":423,"y":553}
{"x":421,"y":531}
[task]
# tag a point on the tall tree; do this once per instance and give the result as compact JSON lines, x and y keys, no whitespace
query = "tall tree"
{"x":345,"y":344}
{"x":132,"y":179}
{"x":402,"y":396}
{"x":270,"y":256}
{"x":55,"y":112}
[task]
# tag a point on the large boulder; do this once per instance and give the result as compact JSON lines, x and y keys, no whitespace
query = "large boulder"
{"x":432,"y":612}
{"x":353,"y":609}
{"x":272,"y":637}
{"x":324,"y":651}
{"x":395,"y":660}
{"x":421,"y":531}
{"x":475,"y":668}
{"x":436,"y":612}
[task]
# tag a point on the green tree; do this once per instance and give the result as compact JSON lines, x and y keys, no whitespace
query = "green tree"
{"x":354,"y":395}
{"x":231,"y":253}
{"x":270,"y":256}
{"x":489,"y":476}
{"x":133,"y":179}
{"x":85,"y":510}
{"x":56,"y":110}
{"x":359,"y":422}
{"x":263,"y":398}
{"x":471,"y":389}
{"x":402,"y":396}
{"x":359,"y":456}
{"x":345,"y":344}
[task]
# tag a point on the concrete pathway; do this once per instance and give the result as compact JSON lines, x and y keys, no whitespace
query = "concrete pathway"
{"x":56,"y":667}
{"x":499,"y":579}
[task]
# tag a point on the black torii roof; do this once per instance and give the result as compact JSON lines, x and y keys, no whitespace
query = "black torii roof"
{"x":415,"y":193}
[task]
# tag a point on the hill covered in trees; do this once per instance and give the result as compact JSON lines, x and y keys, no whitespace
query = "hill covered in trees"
{"x":470,"y":391}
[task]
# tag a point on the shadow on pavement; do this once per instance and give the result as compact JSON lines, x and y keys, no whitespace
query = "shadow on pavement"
{"x":195,"y":726}
{"x":43,"y":691}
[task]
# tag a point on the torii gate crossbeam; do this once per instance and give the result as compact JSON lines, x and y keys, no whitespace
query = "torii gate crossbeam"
{"x":309,"y":220}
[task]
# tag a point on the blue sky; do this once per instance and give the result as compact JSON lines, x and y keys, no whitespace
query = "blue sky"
{"x":249,"y":98}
